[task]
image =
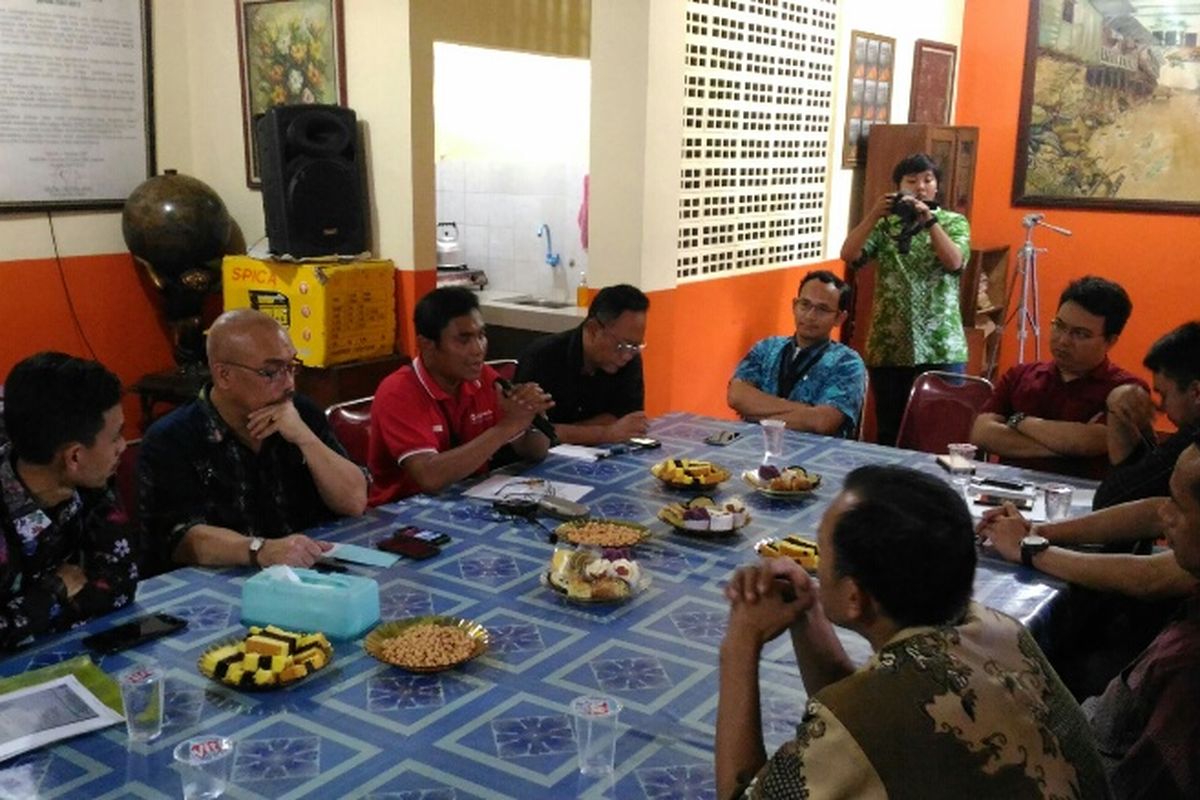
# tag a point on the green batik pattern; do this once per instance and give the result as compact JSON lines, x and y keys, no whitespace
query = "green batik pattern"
{"x":915,"y":318}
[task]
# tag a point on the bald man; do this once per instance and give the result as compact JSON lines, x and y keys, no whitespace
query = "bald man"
{"x":237,"y":475}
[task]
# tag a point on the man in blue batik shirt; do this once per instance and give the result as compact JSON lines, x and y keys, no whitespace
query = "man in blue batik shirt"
{"x":807,"y":380}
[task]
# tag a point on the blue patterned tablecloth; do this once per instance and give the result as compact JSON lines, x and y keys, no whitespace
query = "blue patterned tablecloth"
{"x":498,"y":727}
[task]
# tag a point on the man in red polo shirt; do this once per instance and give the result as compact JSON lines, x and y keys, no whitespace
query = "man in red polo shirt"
{"x":442,"y":418}
{"x":1050,"y":415}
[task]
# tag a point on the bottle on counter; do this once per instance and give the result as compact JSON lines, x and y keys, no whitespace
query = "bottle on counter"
{"x":582,"y":298}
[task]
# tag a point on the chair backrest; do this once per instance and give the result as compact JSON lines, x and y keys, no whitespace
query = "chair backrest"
{"x":506,"y":367}
{"x":862,"y":409}
{"x":351,"y":424}
{"x":126,"y":478}
{"x":941,"y":409}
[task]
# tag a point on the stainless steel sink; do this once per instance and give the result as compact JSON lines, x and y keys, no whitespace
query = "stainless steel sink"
{"x":538,"y":302}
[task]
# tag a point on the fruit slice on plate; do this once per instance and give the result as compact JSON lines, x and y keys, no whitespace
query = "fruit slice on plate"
{"x":802,"y":551}
{"x":787,"y":482}
{"x":705,"y":516}
{"x":689,"y":473}
{"x":585,"y":576}
{"x":267,"y":658}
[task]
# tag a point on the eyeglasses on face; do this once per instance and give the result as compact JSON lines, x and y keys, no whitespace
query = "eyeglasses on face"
{"x":271,"y":372}
{"x":1074,"y":334}
{"x":623,"y":347}
{"x":806,"y":307}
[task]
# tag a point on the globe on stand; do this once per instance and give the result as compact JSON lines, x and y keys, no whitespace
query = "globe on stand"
{"x":177,"y":229}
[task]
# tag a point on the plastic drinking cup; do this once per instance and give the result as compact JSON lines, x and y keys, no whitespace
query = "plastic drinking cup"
{"x":142,"y":698}
{"x":772,"y":437}
{"x":1058,"y":501}
{"x":965,"y":451}
{"x":596,"y":733}
{"x":203,"y":765}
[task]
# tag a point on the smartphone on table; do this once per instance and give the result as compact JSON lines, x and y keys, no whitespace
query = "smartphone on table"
{"x":424,"y":534}
{"x":643,"y":443}
{"x":408,"y":546}
{"x":133,"y":633}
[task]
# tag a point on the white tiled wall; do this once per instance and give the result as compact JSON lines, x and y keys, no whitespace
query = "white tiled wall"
{"x":499,"y":206}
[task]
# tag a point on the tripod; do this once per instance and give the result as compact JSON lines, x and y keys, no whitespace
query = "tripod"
{"x":1027,"y":308}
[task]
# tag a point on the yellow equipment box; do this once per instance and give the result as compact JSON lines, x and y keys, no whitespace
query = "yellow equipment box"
{"x":334,"y":311}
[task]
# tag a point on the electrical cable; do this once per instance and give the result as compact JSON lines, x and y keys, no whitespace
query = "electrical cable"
{"x":62,"y":276}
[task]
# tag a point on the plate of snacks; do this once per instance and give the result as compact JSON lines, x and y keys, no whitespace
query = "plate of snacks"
{"x":703,"y":516}
{"x":584,"y":575}
{"x":427,"y":644}
{"x":800,"y":550}
{"x":787,"y":482}
{"x":689,"y":473}
{"x":602,"y":532}
{"x":266,"y":658}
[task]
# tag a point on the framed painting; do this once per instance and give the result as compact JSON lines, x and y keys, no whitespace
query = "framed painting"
{"x":290,"y":52}
{"x":932,"y":82}
{"x":1108,"y":109}
{"x":869,"y":94}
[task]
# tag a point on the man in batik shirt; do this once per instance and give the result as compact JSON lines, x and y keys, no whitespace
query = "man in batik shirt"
{"x":807,"y":380}
{"x":957,"y":700}
{"x":67,"y":552}
{"x":237,"y":475}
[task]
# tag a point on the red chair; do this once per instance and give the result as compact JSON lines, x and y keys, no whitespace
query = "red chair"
{"x":507,"y":367}
{"x":125,"y":483}
{"x":941,"y":409}
{"x":351,"y":424}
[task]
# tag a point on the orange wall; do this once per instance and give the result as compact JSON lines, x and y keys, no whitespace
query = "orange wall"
{"x":117,"y":314}
{"x":1154,"y":256}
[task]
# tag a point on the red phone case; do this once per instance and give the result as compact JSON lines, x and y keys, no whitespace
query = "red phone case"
{"x":408,"y":547}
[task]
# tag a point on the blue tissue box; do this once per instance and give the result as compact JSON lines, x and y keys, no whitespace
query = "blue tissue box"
{"x":340,"y":606}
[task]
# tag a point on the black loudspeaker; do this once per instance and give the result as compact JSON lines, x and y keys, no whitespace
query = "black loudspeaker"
{"x":312,"y":181}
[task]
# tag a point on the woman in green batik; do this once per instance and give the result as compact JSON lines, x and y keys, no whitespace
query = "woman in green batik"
{"x":916,"y":324}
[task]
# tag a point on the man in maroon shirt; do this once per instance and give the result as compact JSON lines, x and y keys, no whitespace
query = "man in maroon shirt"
{"x":442,"y":418}
{"x":1050,"y":415}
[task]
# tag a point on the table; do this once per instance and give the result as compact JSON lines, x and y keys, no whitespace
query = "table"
{"x":497,"y":727}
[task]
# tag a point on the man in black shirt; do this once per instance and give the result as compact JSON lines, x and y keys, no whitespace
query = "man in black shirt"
{"x":594,"y":371}
{"x":1141,"y":465}
{"x":233,"y":476}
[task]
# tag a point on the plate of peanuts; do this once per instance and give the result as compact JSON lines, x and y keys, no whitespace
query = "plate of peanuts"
{"x":602,"y":532}
{"x":427,"y":644}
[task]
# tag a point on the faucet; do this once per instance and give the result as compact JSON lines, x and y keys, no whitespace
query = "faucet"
{"x":552,"y":258}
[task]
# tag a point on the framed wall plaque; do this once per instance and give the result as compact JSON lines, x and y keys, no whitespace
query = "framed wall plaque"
{"x":77,"y":126}
{"x":869,"y":95}
{"x":932,"y":83}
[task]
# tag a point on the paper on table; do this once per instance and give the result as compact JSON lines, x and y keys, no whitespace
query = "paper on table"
{"x":579,"y":451}
{"x":512,"y":486}
{"x":49,"y":712}
{"x":356,"y":554}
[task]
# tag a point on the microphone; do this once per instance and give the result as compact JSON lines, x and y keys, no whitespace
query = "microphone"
{"x":539,"y":421}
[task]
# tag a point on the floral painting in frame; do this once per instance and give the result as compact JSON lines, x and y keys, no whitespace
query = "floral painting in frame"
{"x":291,"y":52}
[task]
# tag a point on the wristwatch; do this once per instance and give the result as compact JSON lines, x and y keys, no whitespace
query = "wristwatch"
{"x":929,"y":223}
{"x":1015,"y":419}
{"x":256,"y":544}
{"x":1031,"y":545}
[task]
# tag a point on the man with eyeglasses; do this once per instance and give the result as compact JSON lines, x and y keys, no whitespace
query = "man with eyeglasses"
{"x":594,"y":371}
{"x":445,"y":416}
{"x":1051,"y":415}
{"x":234,"y":476}
{"x":807,"y":380}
